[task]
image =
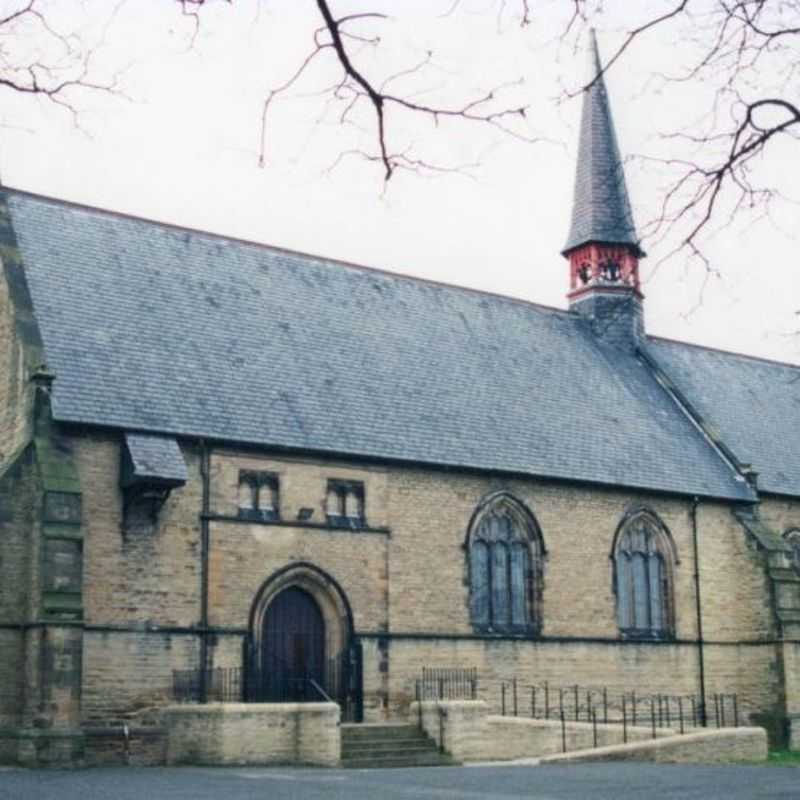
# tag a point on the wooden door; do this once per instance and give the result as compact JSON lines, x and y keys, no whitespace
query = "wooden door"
{"x":293,"y":647}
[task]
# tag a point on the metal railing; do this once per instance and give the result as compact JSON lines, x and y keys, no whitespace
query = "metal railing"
{"x":600,"y":705}
{"x":336,"y":681}
{"x":447,"y":684}
{"x":219,"y":685}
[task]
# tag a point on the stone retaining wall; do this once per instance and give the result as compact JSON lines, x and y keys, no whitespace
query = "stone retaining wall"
{"x":469,"y":733}
{"x":708,"y":747}
{"x":253,"y":733}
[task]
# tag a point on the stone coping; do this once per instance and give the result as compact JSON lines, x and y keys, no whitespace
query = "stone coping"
{"x":243,"y":708}
{"x":710,"y":746}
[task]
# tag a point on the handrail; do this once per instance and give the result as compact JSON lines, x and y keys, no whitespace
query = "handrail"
{"x":324,"y":694}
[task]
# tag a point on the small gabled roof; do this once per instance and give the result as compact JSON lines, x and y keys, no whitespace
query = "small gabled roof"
{"x":601,"y":210}
{"x":150,"y":328}
{"x":153,"y":457}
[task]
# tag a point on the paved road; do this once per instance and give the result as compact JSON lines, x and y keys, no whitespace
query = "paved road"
{"x":595,"y":781}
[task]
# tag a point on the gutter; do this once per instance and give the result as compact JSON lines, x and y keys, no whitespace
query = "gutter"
{"x":205,"y":459}
{"x":698,"y":609}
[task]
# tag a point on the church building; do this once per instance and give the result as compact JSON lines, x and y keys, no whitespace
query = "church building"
{"x":223,"y":458}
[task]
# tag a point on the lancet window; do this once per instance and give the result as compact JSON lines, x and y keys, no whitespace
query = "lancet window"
{"x":644,"y":561}
{"x":505,"y":551}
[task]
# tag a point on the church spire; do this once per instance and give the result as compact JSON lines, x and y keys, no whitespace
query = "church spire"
{"x":601,"y":211}
{"x":602,"y":245}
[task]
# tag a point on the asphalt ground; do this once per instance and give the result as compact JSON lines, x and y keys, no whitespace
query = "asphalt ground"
{"x":549,"y":782}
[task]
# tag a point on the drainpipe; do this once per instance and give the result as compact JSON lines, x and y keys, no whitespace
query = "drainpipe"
{"x":698,"y":605}
{"x":204,"y":540}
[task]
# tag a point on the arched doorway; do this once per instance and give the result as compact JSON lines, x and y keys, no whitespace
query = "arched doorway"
{"x":301,"y":640}
{"x":293,"y":646}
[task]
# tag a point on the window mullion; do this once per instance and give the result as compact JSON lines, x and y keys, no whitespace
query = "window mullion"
{"x":509,"y":587}
{"x":490,"y":580}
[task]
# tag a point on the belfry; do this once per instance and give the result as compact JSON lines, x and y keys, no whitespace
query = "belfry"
{"x":603,"y":246}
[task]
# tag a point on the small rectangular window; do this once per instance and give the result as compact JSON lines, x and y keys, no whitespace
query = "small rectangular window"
{"x":259,"y":495}
{"x":344,"y":504}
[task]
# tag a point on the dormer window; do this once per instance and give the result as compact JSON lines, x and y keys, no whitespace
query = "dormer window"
{"x":344,"y":504}
{"x":258,"y":495}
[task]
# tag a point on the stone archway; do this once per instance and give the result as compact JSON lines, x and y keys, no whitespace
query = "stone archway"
{"x":301,"y":628}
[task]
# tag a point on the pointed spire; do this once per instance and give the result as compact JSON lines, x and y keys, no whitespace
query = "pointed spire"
{"x":601,"y":211}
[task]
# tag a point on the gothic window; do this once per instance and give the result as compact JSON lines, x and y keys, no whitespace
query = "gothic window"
{"x":504,"y":559}
{"x":643,"y":564}
{"x":792,"y":537}
{"x":258,"y":495}
{"x":344,"y":504}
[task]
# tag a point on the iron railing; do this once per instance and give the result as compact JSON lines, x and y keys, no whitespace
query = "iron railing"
{"x":575,"y":703}
{"x":218,"y":685}
{"x":338,"y":681}
{"x":447,"y":684}
{"x":658,"y":712}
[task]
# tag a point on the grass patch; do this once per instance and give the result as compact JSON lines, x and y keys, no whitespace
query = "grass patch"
{"x":784,"y":758}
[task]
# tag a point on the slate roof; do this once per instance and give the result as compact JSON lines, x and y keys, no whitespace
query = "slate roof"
{"x":155,"y":457}
{"x":601,"y":211}
{"x":752,"y":402}
{"x":155,"y":329}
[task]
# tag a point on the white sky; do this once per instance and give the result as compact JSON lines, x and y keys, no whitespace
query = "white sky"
{"x":183,"y":149}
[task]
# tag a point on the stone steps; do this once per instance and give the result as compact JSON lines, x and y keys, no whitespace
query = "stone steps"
{"x":373,"y":746}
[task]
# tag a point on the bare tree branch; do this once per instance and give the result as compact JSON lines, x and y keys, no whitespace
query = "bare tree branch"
{"x":355,"y":85}
{"x":43,"y":61}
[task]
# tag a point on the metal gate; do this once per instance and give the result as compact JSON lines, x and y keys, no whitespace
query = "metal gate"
{"x":290,"y":665}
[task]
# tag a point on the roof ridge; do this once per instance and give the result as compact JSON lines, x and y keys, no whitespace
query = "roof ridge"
{"x":284,"y":250}
{"x":764,"y":359}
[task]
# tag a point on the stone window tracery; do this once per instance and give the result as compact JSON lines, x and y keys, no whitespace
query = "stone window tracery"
{"x":504,"y":561}
{"x":643,"y":568}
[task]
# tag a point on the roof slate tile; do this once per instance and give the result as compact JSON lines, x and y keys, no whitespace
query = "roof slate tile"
{"x":154,"y":329}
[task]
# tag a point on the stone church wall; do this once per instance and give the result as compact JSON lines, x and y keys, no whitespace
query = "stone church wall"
{"x":15,"y":398}
{"x":405,"y":579}
{"x":137,"y":578}
{"x":19,"y":581}
{"x":782,"y":514}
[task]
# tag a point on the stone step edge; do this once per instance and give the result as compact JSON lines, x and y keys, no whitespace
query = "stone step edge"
{"x":388,"y":742}
{"x":415,"y":747}
{"x":361,"y":763}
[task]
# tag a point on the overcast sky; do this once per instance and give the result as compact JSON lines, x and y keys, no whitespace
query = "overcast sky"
{"x":182,"y":147}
